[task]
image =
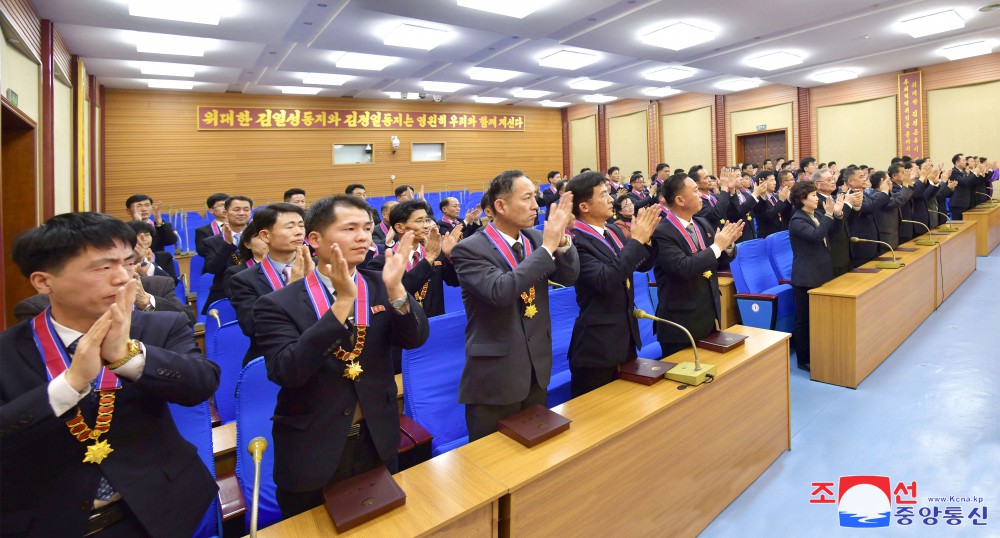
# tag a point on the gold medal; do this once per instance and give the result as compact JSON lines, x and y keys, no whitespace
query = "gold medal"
{"x":707,"y":275}
{"x":353,"y":370}
{"x":628,"y":283}
{"x":97,"y":452}
{"x":530,"y":311}
{"x":529,"y":303}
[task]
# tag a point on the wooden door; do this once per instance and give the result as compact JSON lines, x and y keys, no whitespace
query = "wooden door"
{"x":754,"y":148}
{"x":776,"y":146}
{"x":18,"y":204}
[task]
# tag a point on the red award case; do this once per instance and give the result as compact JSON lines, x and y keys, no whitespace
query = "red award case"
{"x":533,"y":425}
{"x":361,"y":498}
{"x":721,"y":342}
{"x":643,"y":371}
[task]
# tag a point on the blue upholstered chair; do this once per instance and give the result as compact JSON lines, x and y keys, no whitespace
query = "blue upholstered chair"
{"x":763,"y":301}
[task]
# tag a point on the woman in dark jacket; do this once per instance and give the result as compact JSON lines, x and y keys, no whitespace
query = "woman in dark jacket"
{"x":812,"y":266}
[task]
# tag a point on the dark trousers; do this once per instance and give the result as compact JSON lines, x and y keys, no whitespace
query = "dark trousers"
{"x":956,"y":212}
{"x":481,"y":419}
{"x":586,"y":379}
{"x":128,"y":527}
{"x":669,"y":349}
{"x":359,"y":455}
{"x":800,"y":336}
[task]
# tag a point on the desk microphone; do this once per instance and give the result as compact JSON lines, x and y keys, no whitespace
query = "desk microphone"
{"x":256,"y":448}
{"x":990,"y":203}
{"x":922,"y":242}
{"x":685,"y":372}
{"x":946,"y":228}
{"x":894,"y":264}
{"x":556,"y":285}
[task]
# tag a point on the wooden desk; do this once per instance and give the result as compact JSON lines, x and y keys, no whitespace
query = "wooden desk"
{"x":856,"y":320}
{"x":446,"y":496}
{"x":987,"y":223}
{"x":730,"y":313}
{"x":199,"y":336}
{"x":184,"y":264}
{"x":608,"y":474}
{"x":956,"y":258}
{"x":224,"y":448}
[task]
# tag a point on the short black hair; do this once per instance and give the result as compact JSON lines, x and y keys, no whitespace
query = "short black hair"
{"x":895,"y":160}
{"x":401,"y":190}
{"x":800,"y":191}
{"x":266,"y":217}
{"x":350,"y":188}
{"x":582,"y":186}
{"x":636,"y":175}
{"x":613,"y":169}
{"x":401,"y":212}
{"x":920,"y":162}
{"x":806,"y":161}
{"x":784,"y":174}
{"x":243,"y":249}
{"x":672,"y":188}
{"x":444,"y":202}
{"x":693,"y":171}
{"x":831,"y":163}
{"x":240,"y":198}
{"x":764,"y":175}
{"x":954,"y":159}
{"x":553,"y":174}
{"x":216,"y":198}
{"x":502,"y":186}
{"x":292,"y":192}
{"x":894,"y":169}
{"x":907,"y":158}
{"x":619,"y":202}
{"x":387,"y":206}
{"x":136,"y":198}
{"x":877,"y":179}
{"x":748,"y":165}
{"x":585,"y":169}
{"x":63,"y":237}
{"x":140,"y":226}
{"x":661,"y":166}
{"x":323,"y":212}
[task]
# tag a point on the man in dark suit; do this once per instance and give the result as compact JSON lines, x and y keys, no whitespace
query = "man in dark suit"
{"x":839,"y":240}
{"x":65,"y":471}
{"x":767,"y":213}
{"x":282,"y":228}
{"x":141,"y":207}
{"x":889,"y":203}
{"x":961,"y":194}
{"x":380,"y":232}
{"x":715,"y":206}
{"x":860,"y":217}
{"x":325,"y":339}
{"x":748,"y":197}
{"x":219,"y":251}
{"x":217,"y":212}
{"x":450,"y":211}
{"x":504,"y":272}
{"x":925,"y":189}
{"x":606,"y":333}
{"x":687,"y":265}
{"x":637,"y":192}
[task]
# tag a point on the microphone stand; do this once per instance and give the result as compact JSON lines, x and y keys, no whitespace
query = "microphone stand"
{"x":689,"y":373}
{"x":990,"y":204}
{"x":944,"y":228}
{"x":894,"y":264}
{"x":256,"y":448}
{"x":923,"y":242}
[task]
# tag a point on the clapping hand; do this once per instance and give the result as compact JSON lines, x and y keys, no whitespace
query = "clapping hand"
{"x":304,"y":264}
{"x":838,"y":205}
{"x":828,"y":206}
{"x":554,"y":233}
{"x":433,"y":245}
{"x":451,"y":239}
{"x":644,"y":224}
{"x":395,"y":267}
{"x":115,"y":344}
{"x":728,"y":235}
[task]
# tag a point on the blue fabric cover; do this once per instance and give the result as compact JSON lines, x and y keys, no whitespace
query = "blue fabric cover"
{"x":256,"y":396}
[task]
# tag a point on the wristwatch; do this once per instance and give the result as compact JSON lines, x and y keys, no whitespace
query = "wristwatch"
{"x":398,"y":303}
{"x":134,"y":348}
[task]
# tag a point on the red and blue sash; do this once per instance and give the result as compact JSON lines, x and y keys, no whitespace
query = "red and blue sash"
{"x":271,"y":274}
{"x":250,"y":262}
{"x":54,"y":354}
{"x":410,"y":263}
{"x":663,"y":211}
{"x":552,"y":188}
{"x":320,"y":299}
{"x":677,"y":224}
{"x":383,"y":227}
{"x":587,"y":229}
{"x":501,"y":244}
{"x":216,"y":229}
{"x":712,"y":200}
{"x":640,"y":194}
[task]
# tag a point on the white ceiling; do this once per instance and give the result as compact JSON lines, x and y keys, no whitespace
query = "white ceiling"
{"x":270,"y":43}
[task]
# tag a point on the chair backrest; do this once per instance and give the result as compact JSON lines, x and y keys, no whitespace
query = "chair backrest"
{"x":225,"y":309}
{"x":641,"y":290}
{"x":180,"y":290}
{"x":256,"y":396}
{"x":197,"y":264}
{"x":431,"y":374}
{"x":453,"y":299}
{"x":202,"y":287}
{"x":226,"y":346}
{"x":195,"y":425}
{"x":779,"y":250}
{"x":751,"y":268}
{"x":563,"y":311}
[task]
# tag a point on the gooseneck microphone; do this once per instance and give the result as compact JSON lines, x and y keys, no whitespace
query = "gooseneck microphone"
{"x":256,"y":449}
{"x":894,"y":264}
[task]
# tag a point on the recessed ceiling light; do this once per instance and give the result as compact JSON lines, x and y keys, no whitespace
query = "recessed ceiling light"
{"x":489,"y":100}
{"x":968,"y":50}
{"x":300,"y":90}
{"x":668,"y":74}
{"x":171,"y":44}
{"x":835,"y":75}
{"x":196,"y":11}
{"x":366,"y":62}
{"x":325,"y":79}
{"x":935,"y":23}
{"x":167,"y":70}
{"x":567,"y":59}
{"x":170,"y":84}
{"x":403,"y":95}
{"x":443,"y":87}
{"x":661,"y":92}
{"x":587,"y":84}
{"x":528,"y":94}
{"x":415,"y":37}
{"x":492,"y":75}
{"x":774,"y":60}
{"x":554,"y":104}
{"x":511,"y":8}
{"x":739,"y":84}
{"x":678,"y":36}
{"x":598,"y":98}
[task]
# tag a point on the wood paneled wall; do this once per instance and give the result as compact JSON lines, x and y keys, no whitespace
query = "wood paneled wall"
{"x":153,"y":146}
{"x":775,"y":94}
{"x":23,"y":18}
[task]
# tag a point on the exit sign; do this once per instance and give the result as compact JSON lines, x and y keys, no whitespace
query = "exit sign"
{"x":12,"y":96}
{"x":762,"y":127}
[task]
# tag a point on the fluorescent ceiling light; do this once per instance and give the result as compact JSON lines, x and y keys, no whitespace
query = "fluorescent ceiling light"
{"x":170,"y":84}
{"x":402,"y":95}
{"x":554,"y":104}
{"x":598,"y":98}
{"x":528,"y":94}
{"x":489,"y":100}
{"x":300,"y":90}
{"x":167,"y":70}
{"x":511,"y":8}
{"x":968,"y":50}
{"x":196,"y":11}
{"x":325,"y":79}
{"x":587,"y":84}
{"x":366,"y":62}
{"x":171,"y":44}
{"x":567,"y":59}
{"x":774,"y":60}
{"x":668,"y":74}
{"x":661,"y":92}
{"x":678,"y":36}
{"x":739,"y":84}
{"x":443,"y":87}
{"x":492,"y":75}
{"x":415,"y":37}
{"x":835,"y":75}
{"x":935,"y":23}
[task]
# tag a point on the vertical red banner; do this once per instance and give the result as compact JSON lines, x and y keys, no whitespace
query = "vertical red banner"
{"x":911,"y":115}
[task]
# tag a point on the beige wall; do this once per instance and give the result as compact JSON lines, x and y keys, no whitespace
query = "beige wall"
{"x":23,"y":75}
{"x":964,"y":120}
{"x":863,"y":132}
{"x":775,"y":117}
{"x":628,"y":146}
{"x":582,"y":145}
{"x":63,"y":102}
{"x":687,"y":138}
